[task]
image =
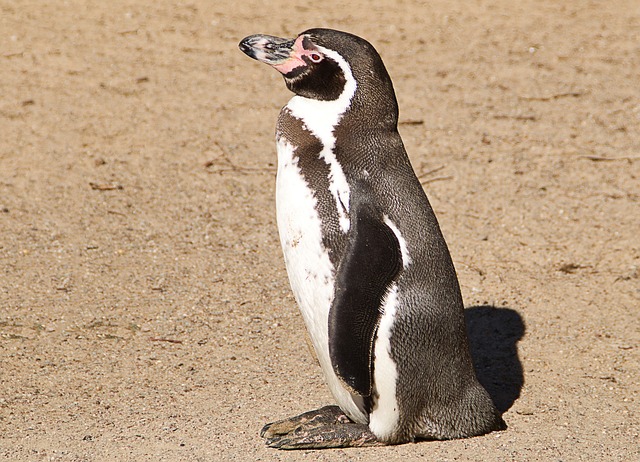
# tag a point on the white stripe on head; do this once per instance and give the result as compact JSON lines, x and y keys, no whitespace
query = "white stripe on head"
{"x":321,"y":119}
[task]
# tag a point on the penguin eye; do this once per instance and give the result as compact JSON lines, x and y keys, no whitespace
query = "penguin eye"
{"x":315,"y":57}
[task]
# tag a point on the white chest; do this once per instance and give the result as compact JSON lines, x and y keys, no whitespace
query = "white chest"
{"x":307,"y":261}
{"x":311,"y":273}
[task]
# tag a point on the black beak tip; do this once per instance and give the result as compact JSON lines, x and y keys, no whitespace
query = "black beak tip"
{"x":245,"y":47}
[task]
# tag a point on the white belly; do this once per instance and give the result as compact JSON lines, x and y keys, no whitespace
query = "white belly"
{"x":311,"y":273}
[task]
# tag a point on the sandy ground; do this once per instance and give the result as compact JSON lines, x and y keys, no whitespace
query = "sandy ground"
{"x":144,"y":309}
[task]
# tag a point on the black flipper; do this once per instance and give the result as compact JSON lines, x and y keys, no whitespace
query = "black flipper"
{"x":371,"y":262}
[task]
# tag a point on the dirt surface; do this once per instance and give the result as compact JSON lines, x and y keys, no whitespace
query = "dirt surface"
{"x":145,"y":313}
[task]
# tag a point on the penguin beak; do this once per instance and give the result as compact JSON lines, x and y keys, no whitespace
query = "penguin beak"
{"x":277,"y":52}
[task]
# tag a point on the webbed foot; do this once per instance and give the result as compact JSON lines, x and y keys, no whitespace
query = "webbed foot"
{"x":327,"y":427}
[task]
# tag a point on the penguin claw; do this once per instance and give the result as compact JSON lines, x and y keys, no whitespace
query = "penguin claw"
{"x":326,"y":427}
{"x":264,"y":430}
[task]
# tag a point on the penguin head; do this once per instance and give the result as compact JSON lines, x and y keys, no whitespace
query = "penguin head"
{"x":321,"y":63}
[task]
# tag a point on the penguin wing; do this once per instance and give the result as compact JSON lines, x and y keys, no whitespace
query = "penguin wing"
{"x":371,"y":262}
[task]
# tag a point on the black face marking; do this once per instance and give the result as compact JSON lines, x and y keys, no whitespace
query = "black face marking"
{"x":371,"y":262}
{"x":322,"y":81}
{"x":316,"y":174}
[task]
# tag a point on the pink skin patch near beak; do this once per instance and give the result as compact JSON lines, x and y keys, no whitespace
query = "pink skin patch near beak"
{"x":295,"y":58}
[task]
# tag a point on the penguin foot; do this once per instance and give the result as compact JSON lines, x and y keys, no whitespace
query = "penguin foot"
{"x":326,"y":415}
{"x":327,"y":427}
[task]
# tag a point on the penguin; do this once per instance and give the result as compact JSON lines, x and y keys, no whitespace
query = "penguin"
{"x":366,"y":259}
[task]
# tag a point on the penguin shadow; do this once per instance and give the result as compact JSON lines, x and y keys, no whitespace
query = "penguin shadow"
{"x":493,"y":338}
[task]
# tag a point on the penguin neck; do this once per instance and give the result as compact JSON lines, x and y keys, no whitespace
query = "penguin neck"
{"x":356,"y":116}
{"x":319,"y":117}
